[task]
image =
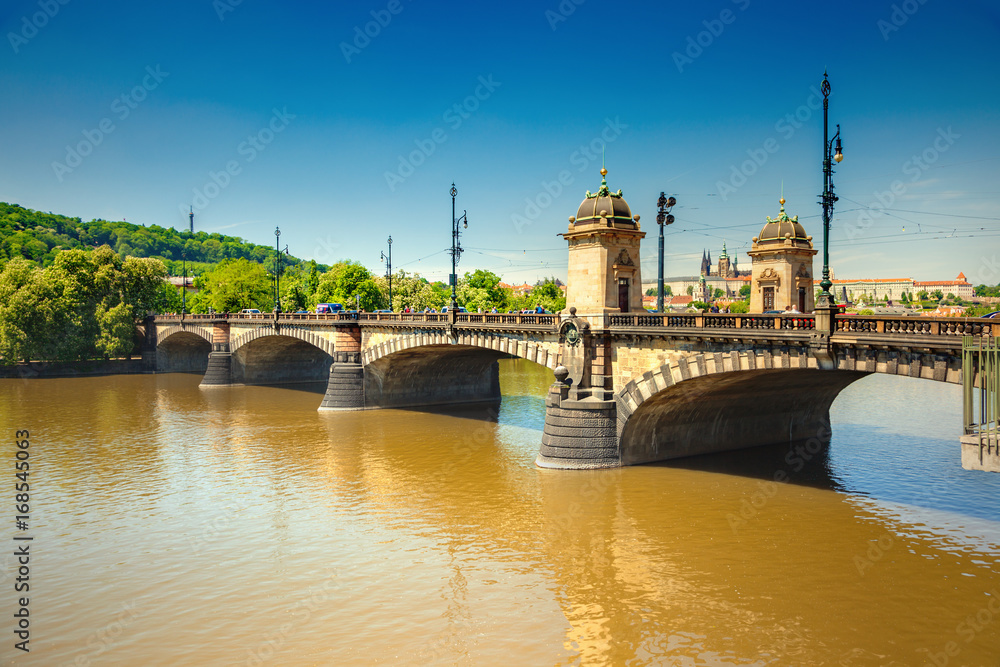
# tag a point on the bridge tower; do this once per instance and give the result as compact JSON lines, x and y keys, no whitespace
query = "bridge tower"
{"x":603,"y":242}
{"x":782,"y":273}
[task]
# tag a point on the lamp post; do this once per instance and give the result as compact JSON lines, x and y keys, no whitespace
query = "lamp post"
{"x":277,"y":270}
{"x":663,"y":217}
{"x":826,"y":300}
{"x":388,"y":270}
{"x":184,"y":278}
{"x":456,"y":245}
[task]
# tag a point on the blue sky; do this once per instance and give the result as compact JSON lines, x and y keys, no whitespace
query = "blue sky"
{"x":264,"y":113}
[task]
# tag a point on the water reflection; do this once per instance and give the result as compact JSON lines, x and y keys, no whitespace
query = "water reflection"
{"x":419,"y":537}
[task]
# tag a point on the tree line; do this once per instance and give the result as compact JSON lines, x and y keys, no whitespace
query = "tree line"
{"x":233,"y":285}
{"x":39,"y":237}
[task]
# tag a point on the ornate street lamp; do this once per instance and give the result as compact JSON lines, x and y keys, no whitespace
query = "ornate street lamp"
{"x":456,"y":246}
{"x":277,"y":270}
{"x":388,"y":270}
{"x":826,"y":300}
{"x":663,"y":217}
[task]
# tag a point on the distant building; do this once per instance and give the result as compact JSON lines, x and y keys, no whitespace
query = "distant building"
{"x":960,"y":287}
{"x":869,"y":290}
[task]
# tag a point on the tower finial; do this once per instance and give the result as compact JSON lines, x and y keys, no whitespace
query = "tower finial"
{"x":782,"y":200}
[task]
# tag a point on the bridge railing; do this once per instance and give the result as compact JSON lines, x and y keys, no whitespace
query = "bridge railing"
{"x":918,"y":326}
{"x":402,"y":317}
{"x":714,"y":321}
{"x":536,"y":319}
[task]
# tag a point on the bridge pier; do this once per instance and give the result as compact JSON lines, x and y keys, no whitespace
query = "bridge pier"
{"x":578,"y":434}
{"x":220,"y":369}
{"x":346,"y":387}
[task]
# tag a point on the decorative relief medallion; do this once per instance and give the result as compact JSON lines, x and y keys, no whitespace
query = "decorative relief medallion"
{"x":572,"y":334}
{"x":624,"y":259}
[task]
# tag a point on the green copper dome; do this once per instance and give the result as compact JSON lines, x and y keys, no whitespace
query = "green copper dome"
{"x":610,"y":204}
{"x":776,"y":230}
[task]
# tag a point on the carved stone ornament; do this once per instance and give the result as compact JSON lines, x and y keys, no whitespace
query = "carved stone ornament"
{"x":572,"y":334}
{"x":803,"y":273}
{"x":769,"y":274}
{"x":624,"y":259}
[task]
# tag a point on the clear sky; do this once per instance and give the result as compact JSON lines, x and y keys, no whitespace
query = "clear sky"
{"x":262,"y":113}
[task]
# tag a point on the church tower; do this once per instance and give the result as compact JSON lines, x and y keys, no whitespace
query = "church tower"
{"x":603,"y":242}
{"x":724,"y":267}
{"x":782,"y":273}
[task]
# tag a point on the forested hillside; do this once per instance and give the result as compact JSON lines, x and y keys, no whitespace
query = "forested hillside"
{"x":39,"y":237}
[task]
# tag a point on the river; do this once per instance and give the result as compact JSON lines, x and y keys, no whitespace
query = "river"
{"x":174,"y":525}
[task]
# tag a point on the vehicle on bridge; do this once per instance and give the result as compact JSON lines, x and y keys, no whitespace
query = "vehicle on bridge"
{"x":329,"y":307}
{"x":250,"y":311}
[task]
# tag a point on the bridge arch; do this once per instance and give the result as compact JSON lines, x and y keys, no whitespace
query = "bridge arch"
{"x":432,"y":368}
{"x":545,"y":354}
{"x":183,"y":349}
{"x":714,"y":402}
{"x":287,"y":331}
{"x":167,"y":332}
{"x":288,"y":354}
{"x":718,"y":401}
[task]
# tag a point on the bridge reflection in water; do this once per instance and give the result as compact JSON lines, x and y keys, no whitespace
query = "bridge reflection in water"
{"x":413,"y":537}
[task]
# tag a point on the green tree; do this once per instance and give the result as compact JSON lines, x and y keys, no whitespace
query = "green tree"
{"x":690,"y":290}
{"x":351,"y":284}
{"x":739,"y":307}
{"x":548,"y":294}
{"x":82,"y":306}
{"x":987,"y":290}
{"x":745,"y":292}
{"x":233,"y":285}
{"x":938,"y":294}
{"x":480,"y":290}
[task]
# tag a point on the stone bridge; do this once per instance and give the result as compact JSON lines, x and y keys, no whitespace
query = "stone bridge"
{"x":628,"y":388}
